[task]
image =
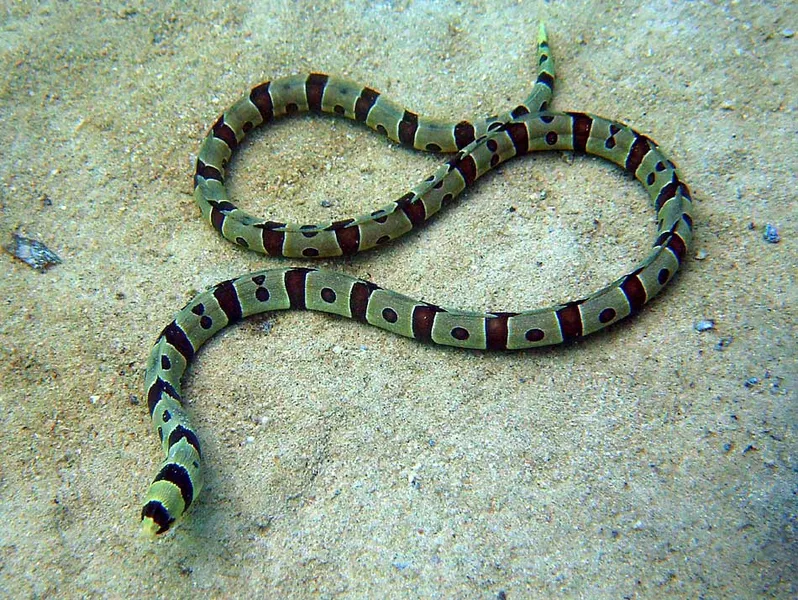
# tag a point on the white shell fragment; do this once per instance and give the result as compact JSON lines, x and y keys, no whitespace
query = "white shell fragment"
{"x":32,"y":252}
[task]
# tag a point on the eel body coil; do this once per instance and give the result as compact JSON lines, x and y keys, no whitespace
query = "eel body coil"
{"x":476,"y":147}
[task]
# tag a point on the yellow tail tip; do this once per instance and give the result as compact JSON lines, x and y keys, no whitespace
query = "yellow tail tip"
{"x":149,"y":528}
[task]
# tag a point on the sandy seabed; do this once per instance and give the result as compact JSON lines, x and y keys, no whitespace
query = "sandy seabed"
{"x":649,"y":461}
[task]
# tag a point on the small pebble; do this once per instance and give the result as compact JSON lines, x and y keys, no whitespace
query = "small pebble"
{"x":704,"y":325}
{"x":701,"y":254}
{"x":771,"y":234}
{"x":788,"y":33}
{"x":412,"y":478}
{"x":751,"y":382}
{"x":724,"y":342}
{"x":32,"y":252}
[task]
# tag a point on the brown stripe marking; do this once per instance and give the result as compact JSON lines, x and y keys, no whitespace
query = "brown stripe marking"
{"x":217,"y":218}
{"x":408,"y":127}
{"x":414,"y":211}
{"x":678,"y":247}
{"x":177,"y":338}
{"x":314,"y":90}
{"x":359,"y":299}
{"x":272,"y":240}
{"x":570,"y":320}
{"x":227,"y":297}
{"x":496,"y":331}
{"x":182,"y":433}
{"x":468,"y":169}
{"x":207,"y":172}
{"x":667,"y":192}
{"x":224,"y":132}
{"x":641,"y":146}
{"x":295,"y":280}
{"x":464,"y":134}
{"x":178,"y":475}
{"x":662,"y":238}
{"x":545,"y":78}
{"x":452,"y":162}
{"x":581,"y":125}
{"x":348,"y":239}
{"x":519,"y":136}
{"x":423,"y":320}
{"x":262,"y":99}
{"x":219,"y":211}
{"x":635,"y":292}
{"x":157,"y":389}
{"x":364,"y":103}
{"x":158,"y":513}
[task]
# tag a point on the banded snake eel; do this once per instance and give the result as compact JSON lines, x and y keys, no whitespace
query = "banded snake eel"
{"x":478,"y":147}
